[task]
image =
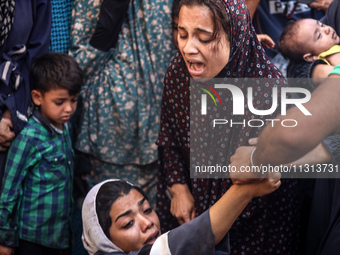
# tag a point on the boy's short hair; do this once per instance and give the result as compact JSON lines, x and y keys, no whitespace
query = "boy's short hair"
{"x":287,"y":43}
{"x":56,"y":71}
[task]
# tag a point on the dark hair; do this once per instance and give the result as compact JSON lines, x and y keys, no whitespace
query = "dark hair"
{"x":107,"y":194}
{"x":56,"y":71}
{"x":219,"y":14}
{"x":175,"y":8}
{"x":287,"y":46}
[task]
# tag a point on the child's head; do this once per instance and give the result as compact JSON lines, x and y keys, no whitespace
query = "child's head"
{"x":175,"y":17}
{"x":117,"y":217}
{"x":305,"y":39}
{"x":57,"y":80}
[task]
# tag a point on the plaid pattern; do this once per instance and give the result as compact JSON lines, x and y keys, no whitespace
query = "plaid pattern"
{"x":36,"y":199}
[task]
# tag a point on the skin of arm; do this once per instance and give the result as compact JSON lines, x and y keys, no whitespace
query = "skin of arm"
{"x":242,"y":156}
{"x":182,"y":203}
{"x":280,"y":145}
{"x":226,"y":210}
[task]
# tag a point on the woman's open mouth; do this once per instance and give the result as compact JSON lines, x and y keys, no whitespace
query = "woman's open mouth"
{"x":196,"y":68}
{"x":152,"y":238}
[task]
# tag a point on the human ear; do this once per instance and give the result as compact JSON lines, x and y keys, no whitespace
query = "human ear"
{"x":309,"y":57}
{"x":36,"y":97}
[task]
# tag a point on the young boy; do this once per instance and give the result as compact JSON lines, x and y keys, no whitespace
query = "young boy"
{"x":309,"y":40}
{"x":35,"y":202}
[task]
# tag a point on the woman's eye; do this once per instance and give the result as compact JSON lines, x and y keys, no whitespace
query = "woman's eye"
{"x":58,"y":103}
{"x":74,"y":100}
{"x":182,"y":36}
{"x":147,"y":211}
{"x":128,"y":225}
{"x":205,"y":41}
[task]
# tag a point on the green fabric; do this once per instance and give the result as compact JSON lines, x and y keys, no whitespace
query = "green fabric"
{"x":336,"y":70}
{"x":35,"y":203}
{"x":119,"y":116}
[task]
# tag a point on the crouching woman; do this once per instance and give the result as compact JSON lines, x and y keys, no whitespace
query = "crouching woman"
{"x":118,"y":219}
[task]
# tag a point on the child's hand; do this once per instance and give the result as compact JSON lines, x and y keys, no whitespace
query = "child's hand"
{"x":266,"y":41}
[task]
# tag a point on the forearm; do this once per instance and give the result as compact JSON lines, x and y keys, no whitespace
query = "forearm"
{"x":279,"y":144}
{"x":318,"y":155}
{"x":226,"y":210}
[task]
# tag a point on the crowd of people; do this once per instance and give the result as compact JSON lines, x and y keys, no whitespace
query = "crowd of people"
{"x":97,"y":127}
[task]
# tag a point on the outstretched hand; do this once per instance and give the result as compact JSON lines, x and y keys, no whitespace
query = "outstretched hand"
{"x":267,"y":185}
{"x":266,"y":41}
{"x":241,"y":162}
{"x":320,"y":4}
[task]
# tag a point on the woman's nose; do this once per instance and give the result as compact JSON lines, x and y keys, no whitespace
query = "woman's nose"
{"x":145,"y":223}
{"x":190,"y":47}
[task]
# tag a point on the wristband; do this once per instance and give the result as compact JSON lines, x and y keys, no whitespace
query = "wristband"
{"x":336,"y":70}
{"x":251,"y":157}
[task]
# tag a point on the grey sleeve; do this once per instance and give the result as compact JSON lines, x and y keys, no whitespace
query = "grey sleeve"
{"x":196,"y":237}
{"x":332,"y":145}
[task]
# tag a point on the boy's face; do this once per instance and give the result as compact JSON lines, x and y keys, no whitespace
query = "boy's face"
{"x":316,"y":37}
{"x":56,"y":105}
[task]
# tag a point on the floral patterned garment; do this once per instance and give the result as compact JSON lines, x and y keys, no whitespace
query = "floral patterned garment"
{"x":119,"y":120}
{"x":268,"y":225}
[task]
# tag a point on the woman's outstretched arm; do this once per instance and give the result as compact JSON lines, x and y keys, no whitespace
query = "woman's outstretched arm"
{"x":232,"y":203}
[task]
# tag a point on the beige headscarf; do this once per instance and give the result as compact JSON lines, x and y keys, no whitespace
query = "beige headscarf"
{"x":93,"y":237}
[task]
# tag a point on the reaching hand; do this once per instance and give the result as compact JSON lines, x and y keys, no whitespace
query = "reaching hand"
{"x":320,"y":4}
{"x":182,"y":203}
{"x":242,"y":170}
{"x":266,"y":41}
{"x":268,"y":185}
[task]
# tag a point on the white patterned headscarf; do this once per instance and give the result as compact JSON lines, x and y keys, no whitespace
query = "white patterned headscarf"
{"x":94,"y":238}
{"x":7,"y":8}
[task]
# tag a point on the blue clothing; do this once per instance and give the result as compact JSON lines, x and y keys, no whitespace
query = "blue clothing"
{"x":31,"y":27}
{"x":61,"y":25}
{"x":119,"y":118}
{"x":35,"y":204}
